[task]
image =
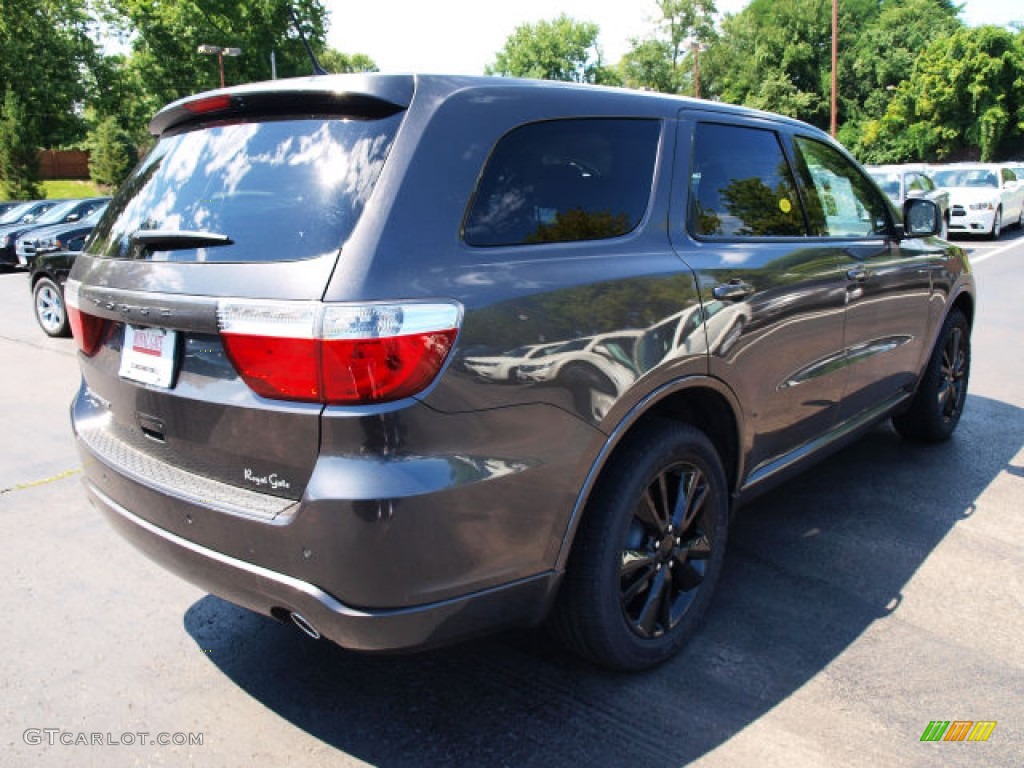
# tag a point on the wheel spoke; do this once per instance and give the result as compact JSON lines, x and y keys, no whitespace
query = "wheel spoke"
{"x":944,"y":397}
{"x":666,"y":505}
{"x":692,"y":493}
{"x":697,"y":548}
{"x":635,"y":574}
{"x":654,"y":609}
{"x":647,"y":512}
{"x":688,"y":576}
{"x":952,"y":352}
{"x":633,"y":561}
{"x":953,"y":371}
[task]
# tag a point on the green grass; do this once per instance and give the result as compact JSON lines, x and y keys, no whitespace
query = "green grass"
{"x":70,"y":188}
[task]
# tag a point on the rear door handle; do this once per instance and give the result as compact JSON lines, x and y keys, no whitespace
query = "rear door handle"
{"x":734,"y":290}
{"x":858,"y":274}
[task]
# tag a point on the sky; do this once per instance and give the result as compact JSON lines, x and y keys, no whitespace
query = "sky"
{"x":462,"y":36}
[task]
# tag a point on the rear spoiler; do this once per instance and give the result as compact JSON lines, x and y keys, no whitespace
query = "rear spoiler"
{"x":358,"y":96}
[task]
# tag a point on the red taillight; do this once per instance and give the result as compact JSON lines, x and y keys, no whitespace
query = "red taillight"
{"x":85,"y":328}
{"x":337,"y":353}
{"x":376,"y":370}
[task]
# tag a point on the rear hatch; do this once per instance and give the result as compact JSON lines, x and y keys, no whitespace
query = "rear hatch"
{"x":231,"y":226}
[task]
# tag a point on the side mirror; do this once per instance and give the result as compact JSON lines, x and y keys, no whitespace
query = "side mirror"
{"x":921,"y":218}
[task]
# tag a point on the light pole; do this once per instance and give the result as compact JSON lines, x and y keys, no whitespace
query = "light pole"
{"x":220,"y":53}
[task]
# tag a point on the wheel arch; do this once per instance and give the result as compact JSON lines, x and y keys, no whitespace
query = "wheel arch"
{"x":964,"y":301}
{"x":703,"y":402}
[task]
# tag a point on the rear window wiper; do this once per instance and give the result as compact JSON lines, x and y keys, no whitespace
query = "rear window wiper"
{"x":178,"y":239}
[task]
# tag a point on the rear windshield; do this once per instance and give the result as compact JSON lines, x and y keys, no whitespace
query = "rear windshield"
{"x":279,"y":190}
{"x":962,"y":177}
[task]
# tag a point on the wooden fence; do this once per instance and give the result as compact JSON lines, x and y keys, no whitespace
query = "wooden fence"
{"x":63,"y":164}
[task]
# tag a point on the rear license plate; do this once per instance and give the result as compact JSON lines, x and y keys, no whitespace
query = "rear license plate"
{"x":148,"y":355}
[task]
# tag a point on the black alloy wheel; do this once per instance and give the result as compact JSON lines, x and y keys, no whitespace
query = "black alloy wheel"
{"x":665,"y":555}
{"x":648,"y":552}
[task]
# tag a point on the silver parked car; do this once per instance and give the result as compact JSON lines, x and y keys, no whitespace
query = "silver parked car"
{"x":903,"y":182}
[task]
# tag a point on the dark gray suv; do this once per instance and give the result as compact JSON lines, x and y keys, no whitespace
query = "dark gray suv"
{"x":404,"y":359}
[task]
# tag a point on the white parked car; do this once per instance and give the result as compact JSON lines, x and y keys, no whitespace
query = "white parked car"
{"x":984,"y":197}
{"x":503,"y":367}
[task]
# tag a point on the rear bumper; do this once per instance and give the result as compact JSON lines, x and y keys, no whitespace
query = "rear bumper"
{"x":276,"y":594}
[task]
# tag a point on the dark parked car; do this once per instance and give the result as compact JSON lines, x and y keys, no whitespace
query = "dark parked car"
{"x":47,"y":275}
{"x":9,"y":205}
{"x":27,"y":212}
{"x":59,"y":237}
{"x":61,"y":212}
{"x":282,"y":312}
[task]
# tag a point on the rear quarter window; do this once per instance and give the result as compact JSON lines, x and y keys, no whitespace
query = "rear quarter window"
{"x":563,"y":181}
{"x":281,"y":190}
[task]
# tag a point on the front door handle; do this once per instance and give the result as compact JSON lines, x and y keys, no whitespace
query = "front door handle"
{"x":734,"y":290}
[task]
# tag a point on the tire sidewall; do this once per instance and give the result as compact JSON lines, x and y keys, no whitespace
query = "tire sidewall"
{"x":946,"y":425}
{"x":997,"y":225}
{"x":924,"y":420}
{"x":45,"y":282}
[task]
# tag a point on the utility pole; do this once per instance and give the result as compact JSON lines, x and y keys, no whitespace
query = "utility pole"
{"x":835,"y":62}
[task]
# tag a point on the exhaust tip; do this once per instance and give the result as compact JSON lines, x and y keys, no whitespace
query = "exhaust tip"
{"x":300,"y":621}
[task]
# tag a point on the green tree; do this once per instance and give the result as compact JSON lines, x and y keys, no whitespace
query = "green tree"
{"x":19,"y":151}
{"x":337,"y":63}
{"x":563,"y":49}
{"x":648,"y":65}
{"x":46,"y":47}
{"x":112,"y":156}
{"x":168,"y":34}
{"x":662,"y":62}
{"x":966,"y":93}
{"x":117,"y":89}
{"x":881,"y":57}
{"x":774,"y":55}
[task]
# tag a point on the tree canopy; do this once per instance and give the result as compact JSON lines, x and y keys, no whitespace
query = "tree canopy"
{"x":563,"y":49}
{"x":914,"y":82}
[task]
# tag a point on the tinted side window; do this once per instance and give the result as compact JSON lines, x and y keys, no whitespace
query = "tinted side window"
{"x":741,"y":185}
{"x":564,"y":180}
{"x":840,"y":201}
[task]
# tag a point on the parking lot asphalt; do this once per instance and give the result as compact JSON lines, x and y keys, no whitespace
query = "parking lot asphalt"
{"x":875,"y":594}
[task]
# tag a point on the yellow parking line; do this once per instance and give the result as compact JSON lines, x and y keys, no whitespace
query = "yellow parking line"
{"x":44,"y":481}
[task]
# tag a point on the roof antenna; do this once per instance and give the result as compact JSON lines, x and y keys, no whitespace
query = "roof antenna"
{"x":317,"y":69}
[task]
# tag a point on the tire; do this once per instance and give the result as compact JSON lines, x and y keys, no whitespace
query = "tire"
{"x":48,"y":303}
{"x":997,"y":225}
{"x":939,"y":401}
{"x":649,"y":551}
